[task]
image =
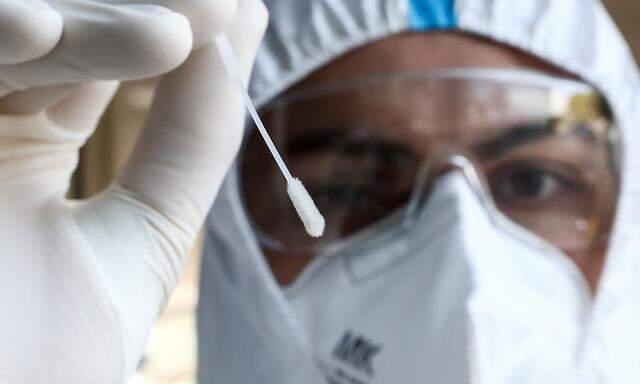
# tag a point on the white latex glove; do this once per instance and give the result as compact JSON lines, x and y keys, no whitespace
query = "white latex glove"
{"x":81,"y":283}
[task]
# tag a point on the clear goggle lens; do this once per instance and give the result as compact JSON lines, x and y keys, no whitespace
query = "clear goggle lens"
{"x":542,"y":147}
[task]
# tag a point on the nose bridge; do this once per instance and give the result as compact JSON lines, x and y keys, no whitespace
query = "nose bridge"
{"x":440,"y":163}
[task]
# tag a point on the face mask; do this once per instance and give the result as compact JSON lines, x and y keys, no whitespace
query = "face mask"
{"x":463,"y":296}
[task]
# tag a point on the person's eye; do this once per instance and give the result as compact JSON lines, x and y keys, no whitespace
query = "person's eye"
{"x":531,"y":184}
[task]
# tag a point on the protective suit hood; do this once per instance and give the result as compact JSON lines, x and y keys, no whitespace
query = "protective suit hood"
{"x":304,"y":35}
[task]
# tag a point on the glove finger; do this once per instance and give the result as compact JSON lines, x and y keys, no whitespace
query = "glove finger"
{"x":207,"y":18}
{"x":28,"y":30}
{"x":106,"y":42}
{"x":40,"y":151}
{"x":193,"y":131}
{"x":34,"y":100}
{"x":80,"y":111}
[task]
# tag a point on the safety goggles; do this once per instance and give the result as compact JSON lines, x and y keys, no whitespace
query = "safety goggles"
{"x":541,"y":151}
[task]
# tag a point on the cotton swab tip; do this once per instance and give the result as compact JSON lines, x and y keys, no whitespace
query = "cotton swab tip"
{"x":306,"y":208}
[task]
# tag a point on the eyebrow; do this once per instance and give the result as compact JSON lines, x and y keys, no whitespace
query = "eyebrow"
{"x":514,"y":137}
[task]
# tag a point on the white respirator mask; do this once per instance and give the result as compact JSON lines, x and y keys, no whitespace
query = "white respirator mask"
{"x":458,"y":294}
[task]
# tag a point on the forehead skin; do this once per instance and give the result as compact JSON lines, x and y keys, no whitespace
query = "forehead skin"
{"x":426,"y":50}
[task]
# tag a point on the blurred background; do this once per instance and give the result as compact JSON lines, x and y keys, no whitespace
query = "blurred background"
{"x":171,"y":351}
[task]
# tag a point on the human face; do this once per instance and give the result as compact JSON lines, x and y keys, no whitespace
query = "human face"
{"x":569,"y":178}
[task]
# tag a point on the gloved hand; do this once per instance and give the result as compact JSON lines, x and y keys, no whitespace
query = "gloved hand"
{"x":82,"y":282}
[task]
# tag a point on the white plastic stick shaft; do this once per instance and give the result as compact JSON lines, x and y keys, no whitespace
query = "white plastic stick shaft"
{"x":231,"y":65}
{"x":303,"y":203}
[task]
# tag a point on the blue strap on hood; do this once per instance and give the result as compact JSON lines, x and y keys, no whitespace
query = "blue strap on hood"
{"x":432,"y":14}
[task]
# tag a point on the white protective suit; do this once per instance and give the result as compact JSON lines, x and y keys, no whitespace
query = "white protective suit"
{"x":456,"y":300}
